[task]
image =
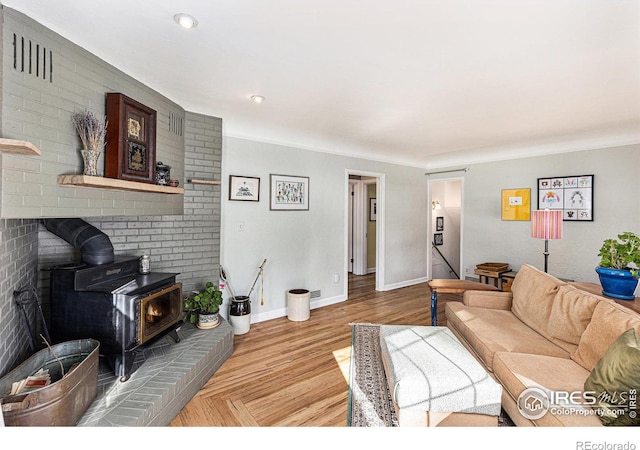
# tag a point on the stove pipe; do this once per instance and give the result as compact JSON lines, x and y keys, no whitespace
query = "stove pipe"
{"x":95,"y":246}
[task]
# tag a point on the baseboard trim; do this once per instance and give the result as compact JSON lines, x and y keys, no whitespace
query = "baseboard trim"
{"x":282,"y":312}
{"x":401,"y":284}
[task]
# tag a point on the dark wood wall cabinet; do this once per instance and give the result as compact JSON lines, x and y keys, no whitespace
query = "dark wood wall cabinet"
{"x":131,"y":139}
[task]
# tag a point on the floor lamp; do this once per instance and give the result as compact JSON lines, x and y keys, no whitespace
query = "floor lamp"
{"x":546,"y":224}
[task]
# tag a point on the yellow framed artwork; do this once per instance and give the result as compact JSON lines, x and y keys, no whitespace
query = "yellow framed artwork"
{"x":516,"y":204}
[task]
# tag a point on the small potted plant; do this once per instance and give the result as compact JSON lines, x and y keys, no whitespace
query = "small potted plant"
{"x":92,"y":131}
{"x":202,"y":307}
{"x":619,"y":266}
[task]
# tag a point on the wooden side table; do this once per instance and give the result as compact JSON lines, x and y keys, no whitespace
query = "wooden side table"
{"x":486,"y":274}
{"x":506,"y":280}
{"x":452,"y":287}
{"x":596,"y":289}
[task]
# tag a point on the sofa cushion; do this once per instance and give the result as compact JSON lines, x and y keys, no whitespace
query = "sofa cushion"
{"x":486,"y":331}
{"x":571,"y":312}
{"x":609,"y":320}
{"x":616,"y":374}
{"x":517,"y":372}
{"x":533,"y":294}
{"x":488,"y":299}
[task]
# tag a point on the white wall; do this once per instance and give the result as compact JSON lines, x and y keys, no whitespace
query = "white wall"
{"x":304,"y":249}
{"x":616,"y":209}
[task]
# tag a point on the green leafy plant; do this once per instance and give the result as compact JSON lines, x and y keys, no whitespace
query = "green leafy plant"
{"x":622,"y":253}
{"x":205,"y":301}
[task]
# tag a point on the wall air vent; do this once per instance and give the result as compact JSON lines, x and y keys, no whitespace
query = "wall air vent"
{"x":32,"y":58}
{"x":316,"y":294}
{"x":176,"y":124}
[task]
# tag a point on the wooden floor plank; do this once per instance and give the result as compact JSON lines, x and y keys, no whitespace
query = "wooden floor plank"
{"x":285,"y":373}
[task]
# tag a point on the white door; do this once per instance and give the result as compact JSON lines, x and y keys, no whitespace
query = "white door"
{"x":350,"y":227}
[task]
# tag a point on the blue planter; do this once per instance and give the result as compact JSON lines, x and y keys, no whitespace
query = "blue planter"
{"x":617,"y":283}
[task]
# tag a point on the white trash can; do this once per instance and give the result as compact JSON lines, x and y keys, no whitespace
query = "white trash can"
{"x":298,"y":304}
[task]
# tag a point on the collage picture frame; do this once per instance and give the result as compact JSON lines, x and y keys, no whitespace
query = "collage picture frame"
{"x":289,"y":193}
{"x":571,"y":194}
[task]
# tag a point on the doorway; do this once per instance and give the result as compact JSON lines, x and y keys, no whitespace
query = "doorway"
{"x":445,"y":232}
{"x":365,"y":222}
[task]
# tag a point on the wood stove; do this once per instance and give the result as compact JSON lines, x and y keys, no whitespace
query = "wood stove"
{"x":109,"y":300}
{"x":115,"y":305}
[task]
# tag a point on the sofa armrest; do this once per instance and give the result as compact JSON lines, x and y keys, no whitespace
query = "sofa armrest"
{"x":488,"y":299}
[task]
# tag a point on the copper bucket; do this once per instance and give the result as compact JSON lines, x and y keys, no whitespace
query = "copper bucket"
{"x":66,"y":399}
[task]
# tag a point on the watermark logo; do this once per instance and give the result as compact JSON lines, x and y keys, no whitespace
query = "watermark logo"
{"x":533,"y":403}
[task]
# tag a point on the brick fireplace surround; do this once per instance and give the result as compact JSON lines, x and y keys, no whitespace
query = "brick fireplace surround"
{"x":180,"y":236}
{"x":166,"y":376}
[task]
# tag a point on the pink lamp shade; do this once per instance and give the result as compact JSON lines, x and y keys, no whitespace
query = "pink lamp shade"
{"x":546,"y":224}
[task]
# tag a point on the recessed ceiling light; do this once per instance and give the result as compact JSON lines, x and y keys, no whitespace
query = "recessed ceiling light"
{"x":258,"y":98}
{"x":185,"y":20}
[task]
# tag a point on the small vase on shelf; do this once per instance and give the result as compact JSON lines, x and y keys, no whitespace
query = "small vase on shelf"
{"x":90,"y":158}
{"x":92,"y":130}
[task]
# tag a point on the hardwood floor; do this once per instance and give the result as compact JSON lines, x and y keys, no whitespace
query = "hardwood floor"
{"x":285,"y":373}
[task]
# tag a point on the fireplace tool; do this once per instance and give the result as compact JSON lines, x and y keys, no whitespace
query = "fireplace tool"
{"x":22,"y":301}
{"x":260,"y":274}
{"x":223,"y":277}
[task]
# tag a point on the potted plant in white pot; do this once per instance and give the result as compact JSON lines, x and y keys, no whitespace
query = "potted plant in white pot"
{"x":619,"y":266}
{"x":92,"y":131}
{"x":203,"y":307}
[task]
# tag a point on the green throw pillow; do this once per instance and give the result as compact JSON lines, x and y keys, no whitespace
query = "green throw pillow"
{"x":616,"y":381}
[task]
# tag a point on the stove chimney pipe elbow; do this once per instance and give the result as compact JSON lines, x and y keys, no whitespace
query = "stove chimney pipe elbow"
{"x":95,"y":246}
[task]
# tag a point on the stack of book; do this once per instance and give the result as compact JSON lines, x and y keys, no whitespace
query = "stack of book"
{"x":38,"y":380}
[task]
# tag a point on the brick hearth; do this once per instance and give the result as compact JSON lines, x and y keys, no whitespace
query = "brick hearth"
{"x":166,"y":376}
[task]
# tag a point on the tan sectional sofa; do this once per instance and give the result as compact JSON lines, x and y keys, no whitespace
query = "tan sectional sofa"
{"x":545,"y":333}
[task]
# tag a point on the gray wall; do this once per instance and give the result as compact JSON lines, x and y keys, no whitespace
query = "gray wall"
{"x":38,"y":109}
{"x":181,"y":233}
{"x":18,"y":253}
{"x":486,"y":238}
{"x":304,"y":249}
{"x":187,"y":244}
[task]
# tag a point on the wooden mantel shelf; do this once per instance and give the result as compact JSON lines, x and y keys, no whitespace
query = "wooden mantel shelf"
{"x":18,"y":147}
{"x":114,"y":183}
{"x":213,"y":182}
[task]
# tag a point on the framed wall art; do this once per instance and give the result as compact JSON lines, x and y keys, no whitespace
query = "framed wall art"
{"x":438,"y":239}
{"x":289,"y":193}
{"x":516,"y":204}
{"x":245,"y":189}
{"x":439,"y":223}
{"x":131,"y":140}
{"x":373,"y":209}
{"x":573,"y":195}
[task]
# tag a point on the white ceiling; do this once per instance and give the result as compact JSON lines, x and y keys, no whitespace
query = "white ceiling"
{"x":429,"y":83}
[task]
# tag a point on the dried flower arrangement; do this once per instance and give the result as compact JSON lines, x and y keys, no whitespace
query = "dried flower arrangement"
{"x":91,"y":129}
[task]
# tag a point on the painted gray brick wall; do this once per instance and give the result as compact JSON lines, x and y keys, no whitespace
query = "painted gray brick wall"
{"x":18,"y":269}
{"x":39,"y":110}
{"x":181,"y":233}
{"x":188,"y":244}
